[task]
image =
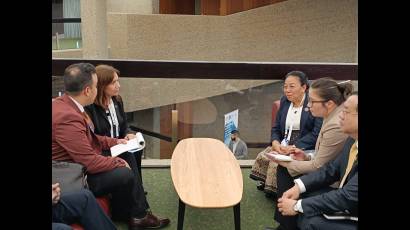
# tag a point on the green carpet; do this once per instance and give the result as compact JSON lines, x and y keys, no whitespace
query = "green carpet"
{"x":256,"y":210}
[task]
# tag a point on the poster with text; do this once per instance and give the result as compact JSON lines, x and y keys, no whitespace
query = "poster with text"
{"x":231,"y":123}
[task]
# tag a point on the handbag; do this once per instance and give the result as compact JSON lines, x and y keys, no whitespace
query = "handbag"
{"x":71,"y":176}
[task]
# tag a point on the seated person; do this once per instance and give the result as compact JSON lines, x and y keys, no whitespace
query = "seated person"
{"x":326,"y":97}
{"x":77,"y":207}
{"x":294,"y":126}
{"x":108,"y":115}
{"x":342,"y":200}
{"x":238,"y":146}
{"x":73,"y":139}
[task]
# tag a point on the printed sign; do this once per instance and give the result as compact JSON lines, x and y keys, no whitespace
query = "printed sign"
{"x":231,"y":123}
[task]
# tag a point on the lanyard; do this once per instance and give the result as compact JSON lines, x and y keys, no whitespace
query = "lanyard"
{"x":288,"y":131}
{"x":112,"y":118}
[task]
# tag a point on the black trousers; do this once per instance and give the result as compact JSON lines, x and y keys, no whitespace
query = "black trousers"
{"x":80,"y":207}
{"x":321,"y":223}
{"x":284,"y":182}
{"x":125,"y":186}
{"x":138,"y":156}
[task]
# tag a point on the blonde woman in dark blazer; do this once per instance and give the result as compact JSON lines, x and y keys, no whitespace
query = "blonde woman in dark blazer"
{"x":326,"y":98}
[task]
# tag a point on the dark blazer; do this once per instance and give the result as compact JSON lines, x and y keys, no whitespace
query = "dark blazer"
{"x":309,"y":125}
{"x":338,"y":200}
{"x":100,"y":120}
{"x":72,"y":139}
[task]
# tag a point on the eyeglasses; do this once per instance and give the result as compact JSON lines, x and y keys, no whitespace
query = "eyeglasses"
{"x":344,"y":112}
{"x":310,"y":101}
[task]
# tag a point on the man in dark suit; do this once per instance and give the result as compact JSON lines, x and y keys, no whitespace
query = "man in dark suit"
{"x":337,"y":208}
{"x":73,"y":139}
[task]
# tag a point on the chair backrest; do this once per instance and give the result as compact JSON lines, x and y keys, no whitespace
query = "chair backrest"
{"x":275,"y":109}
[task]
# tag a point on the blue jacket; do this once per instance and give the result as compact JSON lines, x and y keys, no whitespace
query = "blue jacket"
{"x":309,"y":125}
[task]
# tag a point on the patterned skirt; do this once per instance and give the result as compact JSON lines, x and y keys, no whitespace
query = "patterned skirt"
{"x":264,"y":170}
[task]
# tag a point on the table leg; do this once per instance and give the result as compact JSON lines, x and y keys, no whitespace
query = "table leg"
{"x":181,"y":213}
{"x":237,"y":216}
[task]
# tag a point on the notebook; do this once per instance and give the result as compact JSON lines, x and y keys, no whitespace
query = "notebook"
{"x":278,"y":157}
{"x":133,"y":145}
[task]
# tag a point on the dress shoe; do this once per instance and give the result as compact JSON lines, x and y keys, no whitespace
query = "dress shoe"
{"x":260,"y":186}
{"x":271,"y":194}
{"x":148,"y":222}
{"x":253,"y":177}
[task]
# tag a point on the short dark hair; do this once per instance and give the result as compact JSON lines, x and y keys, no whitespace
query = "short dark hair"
{"x":330,"y":90}
{"x":77,"y":77}
{"x":303,"y":79}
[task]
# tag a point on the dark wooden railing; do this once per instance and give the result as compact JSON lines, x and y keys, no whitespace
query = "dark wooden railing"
{"x":66,"y":20}
{"x":216,"y":70}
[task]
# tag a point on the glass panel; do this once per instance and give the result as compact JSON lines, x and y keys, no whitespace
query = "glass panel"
{"x":61,"y":42}
{"x":201,"y":106}
{"x":66,"y":35}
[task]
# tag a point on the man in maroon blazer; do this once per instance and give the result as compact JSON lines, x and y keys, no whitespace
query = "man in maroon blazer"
{"x":73,"y":140}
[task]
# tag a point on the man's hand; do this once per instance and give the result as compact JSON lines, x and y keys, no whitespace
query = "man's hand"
{"x":129,"y":136}
{"x":285,"y":206}
{"x":121,"y":141}
{"x":127,"y":165}
{"x":292,"y":193}
{"x":55,"y":193}
{"x":123,"y":161}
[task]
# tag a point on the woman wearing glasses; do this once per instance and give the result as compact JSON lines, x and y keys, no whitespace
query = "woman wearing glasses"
{"x":326,"y":98}
{"x":294,"y":126}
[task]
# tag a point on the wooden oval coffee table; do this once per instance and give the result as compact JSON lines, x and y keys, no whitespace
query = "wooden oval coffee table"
{"x":206,"y":174}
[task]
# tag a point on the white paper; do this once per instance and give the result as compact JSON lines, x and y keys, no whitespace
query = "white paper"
{"x":133,"y":145}
{"x":279,"y":157}
{"x":340,"y":217}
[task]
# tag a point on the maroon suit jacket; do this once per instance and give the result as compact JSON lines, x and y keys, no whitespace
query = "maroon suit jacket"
{"x":73,"y":140}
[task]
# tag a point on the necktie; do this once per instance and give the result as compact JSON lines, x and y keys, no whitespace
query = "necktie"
{"x":352,"y":158}
{"x":89,"y":121}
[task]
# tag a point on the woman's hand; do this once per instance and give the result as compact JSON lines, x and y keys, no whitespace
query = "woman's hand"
{"x":286,"y":150}
{"x":298,"y":155}
{"x":277,"y":147}
{"x":129,"y":136}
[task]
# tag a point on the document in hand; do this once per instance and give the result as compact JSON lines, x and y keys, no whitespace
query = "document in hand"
{"x":278,"y":157}
{"x":133,"y":145}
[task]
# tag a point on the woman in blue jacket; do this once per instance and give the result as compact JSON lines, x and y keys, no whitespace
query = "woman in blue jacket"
{"x":294,"y":125}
